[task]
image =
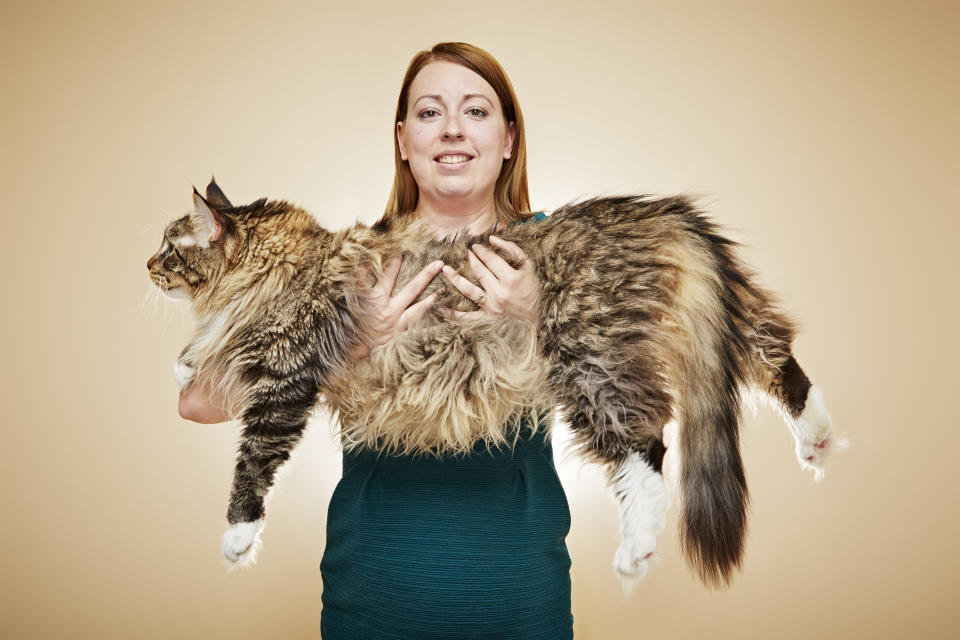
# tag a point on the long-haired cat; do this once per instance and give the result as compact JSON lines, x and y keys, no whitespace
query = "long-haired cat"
{"x":646,"y":315}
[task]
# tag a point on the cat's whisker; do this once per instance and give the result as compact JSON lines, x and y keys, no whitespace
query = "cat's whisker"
{"x":148,"y":305}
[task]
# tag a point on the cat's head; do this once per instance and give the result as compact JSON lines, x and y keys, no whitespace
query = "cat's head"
{"x":195,"y":247}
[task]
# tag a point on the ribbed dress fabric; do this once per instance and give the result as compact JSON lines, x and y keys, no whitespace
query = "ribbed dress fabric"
{"x":466,"y":547}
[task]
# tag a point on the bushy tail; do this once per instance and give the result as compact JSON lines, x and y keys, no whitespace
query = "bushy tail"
{"x":712,"y":483}
{"x":713,"y":488}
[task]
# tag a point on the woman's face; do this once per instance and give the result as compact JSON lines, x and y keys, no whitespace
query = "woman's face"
{"x":454,"y":136}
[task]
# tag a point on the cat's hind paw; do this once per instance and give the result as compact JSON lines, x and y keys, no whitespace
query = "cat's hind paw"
{"x":642,"y":497}
{"x":635,"y":557}
{"x":814,"y":435}
{"x":182,"y":373}
{"x":241,"y":543}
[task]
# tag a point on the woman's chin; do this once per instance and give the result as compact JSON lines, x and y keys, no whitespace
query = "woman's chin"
{"x":459,"y":189}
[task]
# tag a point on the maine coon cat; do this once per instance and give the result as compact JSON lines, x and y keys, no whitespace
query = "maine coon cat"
{"x":646,"y":315}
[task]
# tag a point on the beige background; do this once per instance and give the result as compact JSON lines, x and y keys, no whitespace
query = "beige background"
{"x":824,"y":135}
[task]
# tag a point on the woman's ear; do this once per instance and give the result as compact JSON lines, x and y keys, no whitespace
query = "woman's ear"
{"x":509,"y":139}
{"x":403,"y":151}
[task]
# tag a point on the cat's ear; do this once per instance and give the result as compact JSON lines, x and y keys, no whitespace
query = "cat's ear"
{"x":215,"y":195}
{"x":209,"y":224}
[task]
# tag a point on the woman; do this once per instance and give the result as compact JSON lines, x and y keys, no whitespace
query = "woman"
{"x":456,"y":547}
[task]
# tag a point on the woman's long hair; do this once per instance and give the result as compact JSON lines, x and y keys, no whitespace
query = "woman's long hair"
{"x":511,"y":195}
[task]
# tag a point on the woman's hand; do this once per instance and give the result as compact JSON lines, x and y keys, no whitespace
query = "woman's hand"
{"x":506,"y":291}
{"x":392,"y":315}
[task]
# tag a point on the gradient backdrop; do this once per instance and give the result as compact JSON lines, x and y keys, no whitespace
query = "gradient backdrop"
{"x":824,"y":135}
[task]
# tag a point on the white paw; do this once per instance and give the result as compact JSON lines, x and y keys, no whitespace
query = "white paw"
{"x":643,"y":506}
{"x":812,"y":454}
{"x":635,"y":557}
{"x":182,"y":373}
{"x":241,"y":542}
{"x":814,"y":435}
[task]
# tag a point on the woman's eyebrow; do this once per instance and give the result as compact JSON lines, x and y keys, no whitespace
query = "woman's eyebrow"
{"x":434,"y":96}
{"x":466,"y":96}
{"x":469,"y":96}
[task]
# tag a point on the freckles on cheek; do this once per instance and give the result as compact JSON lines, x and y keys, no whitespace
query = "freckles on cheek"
{"x":421,"y":140}
{"x":487,"y":138}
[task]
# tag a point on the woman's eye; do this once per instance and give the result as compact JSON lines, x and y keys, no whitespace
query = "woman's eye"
{"x":428,"y":113}
{"x":477,"y":112}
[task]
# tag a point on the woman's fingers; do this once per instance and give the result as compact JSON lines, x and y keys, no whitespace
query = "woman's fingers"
{"x":463,"y":285}
{"x":415,"y":287}
{"x":489,"y":268}
{"x":497,"y":265}
{"x":389,"y":279}
{"x":415,"y":311}
{"x":512,"y":249}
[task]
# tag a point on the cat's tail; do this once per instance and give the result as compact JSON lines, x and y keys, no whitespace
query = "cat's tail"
{"x":712,"y":485}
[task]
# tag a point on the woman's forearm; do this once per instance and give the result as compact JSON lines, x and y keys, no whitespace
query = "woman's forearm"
{"x":199,"y":404}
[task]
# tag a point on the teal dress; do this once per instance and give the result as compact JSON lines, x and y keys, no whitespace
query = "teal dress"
{"x":457,"y":547}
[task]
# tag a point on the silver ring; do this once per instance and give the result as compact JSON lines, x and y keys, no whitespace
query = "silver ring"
{"x":481,"y":298}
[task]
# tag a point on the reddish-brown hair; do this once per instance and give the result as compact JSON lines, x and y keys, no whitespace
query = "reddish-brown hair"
{"x":511,"y":195}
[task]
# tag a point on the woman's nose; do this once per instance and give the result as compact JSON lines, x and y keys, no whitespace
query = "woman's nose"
{"x":452,"y":129}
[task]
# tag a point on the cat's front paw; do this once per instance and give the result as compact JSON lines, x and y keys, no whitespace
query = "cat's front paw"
{"x":241,"y":542}
{"x":814,"y":435}
{"x":182,"y":373}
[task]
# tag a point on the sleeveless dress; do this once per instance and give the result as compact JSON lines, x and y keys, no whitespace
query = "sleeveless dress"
{"x":467,"y":547}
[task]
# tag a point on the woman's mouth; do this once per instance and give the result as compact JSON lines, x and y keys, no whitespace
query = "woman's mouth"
{"x":453,"y":158}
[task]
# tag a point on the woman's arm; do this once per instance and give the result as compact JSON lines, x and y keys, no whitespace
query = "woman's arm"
{"x":199,"y":403}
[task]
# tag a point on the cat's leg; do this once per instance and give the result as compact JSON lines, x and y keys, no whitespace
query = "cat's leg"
{"x":273,"y":423}
{"x":622,"y":429}
{"x":642,"y":500}
{"x":777,"y":375}
{"x":801,"y":404}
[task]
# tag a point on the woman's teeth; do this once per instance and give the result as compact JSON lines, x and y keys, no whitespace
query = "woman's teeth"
{"x":452,"y":159}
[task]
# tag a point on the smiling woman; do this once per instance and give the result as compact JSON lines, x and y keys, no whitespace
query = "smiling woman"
{"x":453,"y":547}
{"x":468,"y":546}
{"x":455,"y":140}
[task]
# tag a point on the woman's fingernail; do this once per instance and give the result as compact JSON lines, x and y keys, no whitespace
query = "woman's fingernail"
{"x":447,"y":269}
{"x":494,"y":238}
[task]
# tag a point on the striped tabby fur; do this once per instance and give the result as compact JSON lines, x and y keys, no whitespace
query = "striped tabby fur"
{"x":646,"y":315}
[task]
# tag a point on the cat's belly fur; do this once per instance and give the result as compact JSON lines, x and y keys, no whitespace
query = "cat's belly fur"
{"x":442,"y":386}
